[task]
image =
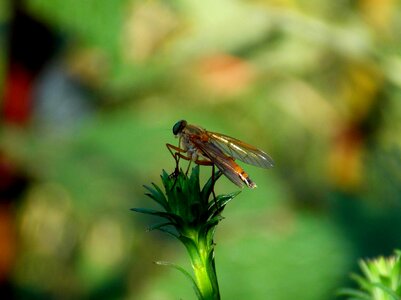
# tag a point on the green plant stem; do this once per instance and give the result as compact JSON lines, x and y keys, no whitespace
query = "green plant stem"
{"x":204,"y":269}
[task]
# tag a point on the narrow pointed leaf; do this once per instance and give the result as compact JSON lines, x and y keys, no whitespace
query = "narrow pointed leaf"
{"x":354,"y":293}
{"x":221,"y":201}
{"x":159,"y":225}
{"x":363,"y":283}
{"x":205,"y":228}
{"x":170,"y":216}
{"x":208,"y":187}
{"x":387,"y":290}
{"x":163,"y":228}
{"x":163,"y":198}
{"x":186,"y":274}
{"x":157,"y":195}
{"x":168,"y":231}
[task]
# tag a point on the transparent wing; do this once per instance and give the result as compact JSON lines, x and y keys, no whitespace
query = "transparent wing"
{"x":241,"y":150}
{"x":225,"y":164}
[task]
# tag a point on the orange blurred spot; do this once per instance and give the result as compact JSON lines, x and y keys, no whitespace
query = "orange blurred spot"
{"x":225,"y":74}
{"x":345,"y":160}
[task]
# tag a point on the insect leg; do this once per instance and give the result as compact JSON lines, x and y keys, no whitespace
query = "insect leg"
{"x":175,"y":148}
{"x":176,"y":155}
{"x":189,"y":164}
{"x":213,"y":182}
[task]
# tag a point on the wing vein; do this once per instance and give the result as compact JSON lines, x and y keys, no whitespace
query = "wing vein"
{"x":241,"y":150}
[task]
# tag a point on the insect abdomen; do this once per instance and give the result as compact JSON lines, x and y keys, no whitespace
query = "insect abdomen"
{"x":245,"y":178}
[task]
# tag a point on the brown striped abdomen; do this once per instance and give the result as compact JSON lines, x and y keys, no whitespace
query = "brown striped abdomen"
{"x":243,"y":175}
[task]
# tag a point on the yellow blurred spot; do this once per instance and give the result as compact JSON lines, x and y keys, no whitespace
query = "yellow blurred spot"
{"x":148,"y":26}
{"x":88,"y":64}
{"x":44,"y":220}
{"x":379,"y":14}
{"x":360,"y":88}
{"x":104,"y":243}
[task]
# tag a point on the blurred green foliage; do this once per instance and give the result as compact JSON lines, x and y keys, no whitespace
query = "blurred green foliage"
{"x":380,"y":279}
{"x":314,"y":83}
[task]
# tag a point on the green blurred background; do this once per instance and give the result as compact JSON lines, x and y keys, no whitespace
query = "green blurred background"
{"x":91,"y":89}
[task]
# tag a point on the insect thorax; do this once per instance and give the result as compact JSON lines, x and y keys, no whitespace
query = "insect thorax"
{"x":192,"y":151}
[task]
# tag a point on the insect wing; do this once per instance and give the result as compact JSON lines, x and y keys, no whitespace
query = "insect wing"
{"x":225,"y":164}
{"x":241,"y":150}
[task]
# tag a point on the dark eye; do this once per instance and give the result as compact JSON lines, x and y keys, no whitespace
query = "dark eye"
{"x":179,"y":126}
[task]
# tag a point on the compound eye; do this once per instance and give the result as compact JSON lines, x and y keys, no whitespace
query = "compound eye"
{"x":179,"y":126}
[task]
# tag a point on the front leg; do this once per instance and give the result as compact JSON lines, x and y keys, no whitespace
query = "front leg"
{"x":178,"y":154}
